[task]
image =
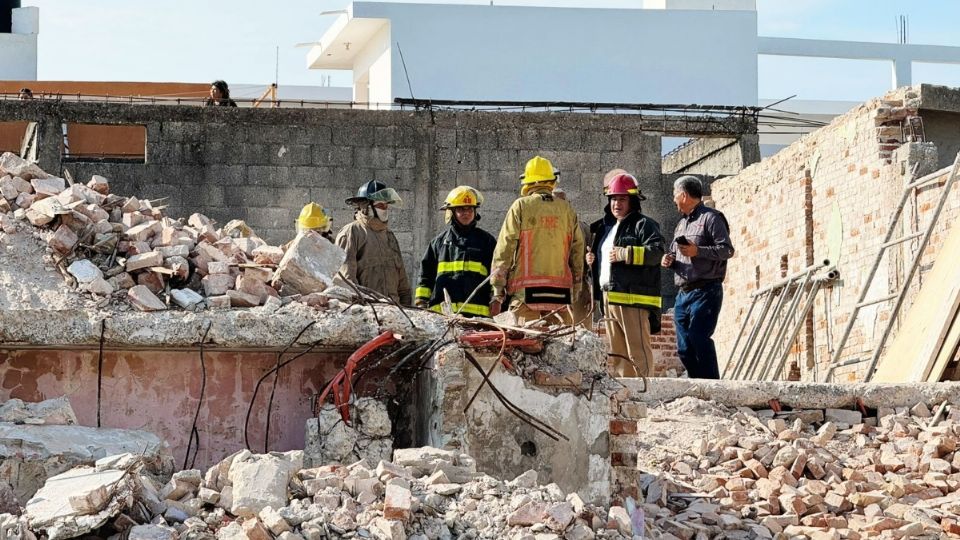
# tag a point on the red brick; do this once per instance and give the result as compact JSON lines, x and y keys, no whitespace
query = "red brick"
{"x":623,"y":427}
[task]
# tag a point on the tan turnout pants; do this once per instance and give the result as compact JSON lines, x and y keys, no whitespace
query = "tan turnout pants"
{"x":526,"y":314}
{"x":628,"y":329}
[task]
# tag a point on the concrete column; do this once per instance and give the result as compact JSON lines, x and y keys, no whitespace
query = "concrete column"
{"x":902,"y":72}
{"x":50,"y":134}
{"x":749,"y":146}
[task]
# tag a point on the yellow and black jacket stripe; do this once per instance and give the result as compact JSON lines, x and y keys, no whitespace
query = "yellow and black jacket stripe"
{"x":636,"y":281}
{"x":458,"y":260}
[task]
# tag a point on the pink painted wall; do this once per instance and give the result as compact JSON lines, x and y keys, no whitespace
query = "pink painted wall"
{"x":158,"y":391}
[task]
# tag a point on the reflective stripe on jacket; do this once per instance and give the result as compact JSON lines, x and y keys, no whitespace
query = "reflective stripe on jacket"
{"x":635,"y":282}
{"x":540,"y":245}
{"x":458,"y":261}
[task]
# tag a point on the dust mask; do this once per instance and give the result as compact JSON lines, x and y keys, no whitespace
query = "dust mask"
{"x":382,"y":215}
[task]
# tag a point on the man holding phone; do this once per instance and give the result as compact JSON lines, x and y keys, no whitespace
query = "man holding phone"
{"x":698,"y":257}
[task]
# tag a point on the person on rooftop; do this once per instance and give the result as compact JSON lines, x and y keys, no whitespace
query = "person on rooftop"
{"x":219,"y":95}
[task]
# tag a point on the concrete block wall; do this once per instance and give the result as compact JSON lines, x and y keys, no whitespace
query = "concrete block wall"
{"x":262,"y":166}
{"x":780,"y":211}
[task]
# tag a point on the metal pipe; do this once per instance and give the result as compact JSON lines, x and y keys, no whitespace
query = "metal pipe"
{"x":814,"y":289}
{"x":736,"y":343}
{"x":767,"y":363}
{"x":738,"y":368}
{"x":755,"y":356}
{"x":794,"y":277}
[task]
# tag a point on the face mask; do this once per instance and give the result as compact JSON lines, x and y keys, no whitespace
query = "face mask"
{"x":382,"y":215}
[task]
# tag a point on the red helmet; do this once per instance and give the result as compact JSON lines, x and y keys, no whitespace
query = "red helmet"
{"x":625,"y":184}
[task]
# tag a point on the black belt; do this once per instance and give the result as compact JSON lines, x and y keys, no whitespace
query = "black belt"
{"x":694,"y":285}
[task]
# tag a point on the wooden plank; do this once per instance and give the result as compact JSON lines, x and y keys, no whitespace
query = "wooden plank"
{"x":948,"y":351}
{"x":915,"y":348}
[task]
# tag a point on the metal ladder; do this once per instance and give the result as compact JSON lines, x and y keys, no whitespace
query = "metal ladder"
{"x":760,"y":353}
{"x":889,"y":242}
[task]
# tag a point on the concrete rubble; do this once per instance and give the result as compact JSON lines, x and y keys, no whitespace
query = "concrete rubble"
{"x":127,"y":249}
{"x":412,"y":497}
{"x":30,"y":453}
{"x":329,"y":439}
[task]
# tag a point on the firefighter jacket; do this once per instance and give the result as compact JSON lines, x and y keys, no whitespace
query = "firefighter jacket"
{"x":636,"y":281}
{"x":373,"y":258}
{"x":539,"y":255}
{"x":458,"y":261}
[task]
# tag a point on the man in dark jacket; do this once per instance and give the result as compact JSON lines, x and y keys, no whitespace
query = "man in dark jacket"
{"x":458,"y":259}
{"x":627,"y":260}
{"x":698,"y":257}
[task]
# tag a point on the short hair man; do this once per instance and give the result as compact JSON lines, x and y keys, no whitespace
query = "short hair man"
{"x":698,"y":257}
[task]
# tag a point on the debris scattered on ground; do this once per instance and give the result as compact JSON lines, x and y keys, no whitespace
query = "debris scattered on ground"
{"x":424,"y":493}
{"x":710,"y":470}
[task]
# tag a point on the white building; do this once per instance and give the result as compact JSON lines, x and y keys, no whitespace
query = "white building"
{"x":18,"y":43}
{"x":667,"y":52}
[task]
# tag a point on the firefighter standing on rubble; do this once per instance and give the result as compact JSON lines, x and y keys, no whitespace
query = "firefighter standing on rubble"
{"x":626,"y":259}
{"x":538,"y":258}
{"x":458,"y":260}
{"x":373,"y":253}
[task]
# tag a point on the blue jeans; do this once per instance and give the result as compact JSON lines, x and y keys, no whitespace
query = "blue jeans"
{"x":695,"y":316}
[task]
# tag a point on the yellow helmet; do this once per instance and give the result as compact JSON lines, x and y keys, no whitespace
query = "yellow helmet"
{"x":538,"y":169}
{"x":313,"y":218}
{"x":462,"y":196}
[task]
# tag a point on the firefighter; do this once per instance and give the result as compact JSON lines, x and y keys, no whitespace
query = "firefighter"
{"x":538,"y":258}
{"x":373,"y":253}
{"x":627,"y":260}
{"x":458,"y":259}
{"x":313,"y":218}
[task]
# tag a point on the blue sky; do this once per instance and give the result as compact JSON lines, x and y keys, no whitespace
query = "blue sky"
{"x":237,"y":40}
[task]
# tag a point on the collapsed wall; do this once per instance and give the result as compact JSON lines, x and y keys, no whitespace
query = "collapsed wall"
{"x":848,"y":175}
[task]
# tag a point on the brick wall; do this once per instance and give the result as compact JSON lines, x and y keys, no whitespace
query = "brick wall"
{"x":780,"y":211}
{"x":666,"y":363}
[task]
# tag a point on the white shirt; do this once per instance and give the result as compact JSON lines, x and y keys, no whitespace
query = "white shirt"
{"x":605,"y":248}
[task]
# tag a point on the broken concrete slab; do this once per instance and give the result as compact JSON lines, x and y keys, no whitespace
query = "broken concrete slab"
{"x":78,"y":501}
{"x":310,"y":263}
{"x":258,"y":481}
{"x":39,"y":451}
{"x":14,"y":165}
{"x":49,"y":186}
{"x":50,"y":412}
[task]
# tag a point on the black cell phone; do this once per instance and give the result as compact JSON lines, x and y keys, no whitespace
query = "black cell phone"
{"x":682,"y":240}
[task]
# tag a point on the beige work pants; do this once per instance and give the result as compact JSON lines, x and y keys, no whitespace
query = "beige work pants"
{"x":628,"y":329}
{"x":526,"y":314}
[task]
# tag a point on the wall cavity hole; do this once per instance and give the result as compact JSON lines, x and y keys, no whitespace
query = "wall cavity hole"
{"x":528,"y":448}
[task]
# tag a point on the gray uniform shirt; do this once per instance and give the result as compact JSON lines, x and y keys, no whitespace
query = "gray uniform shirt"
{"x":707,"y":229}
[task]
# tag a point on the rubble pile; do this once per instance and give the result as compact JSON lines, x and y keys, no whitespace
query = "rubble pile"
{"x":423,"y":493}
{"x":819,"y":474}
{"x":113,"y":246}
{"x":330,"y":440}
